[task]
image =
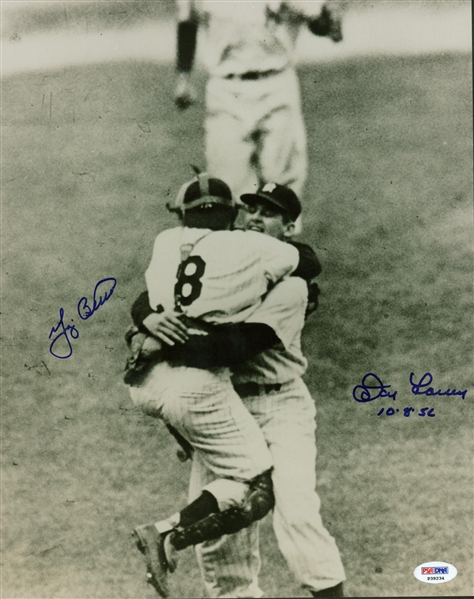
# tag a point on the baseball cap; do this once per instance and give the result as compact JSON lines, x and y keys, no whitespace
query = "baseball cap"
{"x":203,"y":191}
{"x":284,"y":198}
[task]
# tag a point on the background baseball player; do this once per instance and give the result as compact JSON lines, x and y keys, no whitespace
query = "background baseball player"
{"x":254,"y":126}
{"x":193,"y":267}
{"x":270,"y":386}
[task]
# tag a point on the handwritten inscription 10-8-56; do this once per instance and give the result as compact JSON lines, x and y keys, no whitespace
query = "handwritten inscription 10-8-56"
{"x":372,"y":388}
{"x":61,"y":335}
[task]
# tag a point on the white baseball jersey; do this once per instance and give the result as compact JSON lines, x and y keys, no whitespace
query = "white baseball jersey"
{"x":248,"y":36}
{"x":224,"y":275}
{"x":283,"y":310}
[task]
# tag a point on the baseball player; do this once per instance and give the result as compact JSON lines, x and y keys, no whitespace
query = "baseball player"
{"x":213,"y":276}
{"x":271,"y":388}
{"x":254,"y":126}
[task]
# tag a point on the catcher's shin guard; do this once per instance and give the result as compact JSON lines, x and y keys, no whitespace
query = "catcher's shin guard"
{"x":258,"y":501}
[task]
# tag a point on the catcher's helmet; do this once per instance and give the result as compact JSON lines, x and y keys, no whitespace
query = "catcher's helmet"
{"x":202,"y":192}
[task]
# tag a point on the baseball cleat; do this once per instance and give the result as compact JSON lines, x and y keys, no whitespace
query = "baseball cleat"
{"x":151,"y":543}
{"x":170,"y":553}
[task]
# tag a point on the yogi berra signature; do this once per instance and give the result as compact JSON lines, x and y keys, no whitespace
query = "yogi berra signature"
{"x":61,"y":335}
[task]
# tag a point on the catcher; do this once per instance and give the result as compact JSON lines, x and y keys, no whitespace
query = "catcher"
{"x":213,"y":276}
{"x":270,"y":386}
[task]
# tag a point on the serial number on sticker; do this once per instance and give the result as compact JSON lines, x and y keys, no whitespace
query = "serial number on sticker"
{"x":435,"y":578}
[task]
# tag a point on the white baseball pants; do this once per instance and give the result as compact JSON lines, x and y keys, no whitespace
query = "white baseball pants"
{"x":230,"y":566}
{"x":255,"y":132}
{"x":203,"y":406}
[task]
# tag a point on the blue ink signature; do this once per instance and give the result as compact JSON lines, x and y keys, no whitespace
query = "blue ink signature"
{"x":63,"y":333}
{"x":420,"y":387}
{"x":102,"y":292}
{"x":407,"y":411}
{"x":365,"y":392}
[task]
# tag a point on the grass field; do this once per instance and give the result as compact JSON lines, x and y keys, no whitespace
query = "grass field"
{"x":90,"y":155}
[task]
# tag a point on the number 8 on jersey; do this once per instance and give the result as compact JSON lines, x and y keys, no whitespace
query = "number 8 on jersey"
{"x":188,"y":285}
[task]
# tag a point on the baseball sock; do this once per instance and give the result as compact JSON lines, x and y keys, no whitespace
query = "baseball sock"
{"x":205,"y":505}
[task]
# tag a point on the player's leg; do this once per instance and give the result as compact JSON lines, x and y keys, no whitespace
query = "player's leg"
{"x":205,"y":409}
{"x":288,"y":420}
{"x":229,"y":565}
{"x":200,"y":521}
{"x":230,"y":146}
{"x":282,"y":151}
{"x":155,"y":540}
{"x":283,"y":146}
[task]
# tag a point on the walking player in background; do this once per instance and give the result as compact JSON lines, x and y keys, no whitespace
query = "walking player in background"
{"x":254,"y":127}
{"x":271,"y":388}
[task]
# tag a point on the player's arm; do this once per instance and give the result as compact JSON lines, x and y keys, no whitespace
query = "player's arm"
{"x":283,"y":309}
{"x":140,"y":310}
{"x":329,"y":22}
{"x":323,"y":21}
{"x":166,"y":326}
{"x":274,"y":323}
{"x":185,"y":53}
{"x":160,"y":275}
{"x":224,"y":346}
{"x":309,"y":266}
{"x":278,"y":258}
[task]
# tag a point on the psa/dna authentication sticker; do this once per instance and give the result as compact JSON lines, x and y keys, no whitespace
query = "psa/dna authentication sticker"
{"x":435,"y":572}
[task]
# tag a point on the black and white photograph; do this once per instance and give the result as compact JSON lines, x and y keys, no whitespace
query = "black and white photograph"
{"x":237,"y":284}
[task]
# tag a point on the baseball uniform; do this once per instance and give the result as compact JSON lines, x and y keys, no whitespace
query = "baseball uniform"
{"x":227,"y":274}
{"x":286,"y":415}
{"x":224,"y":276}
{"x":254,"y":126}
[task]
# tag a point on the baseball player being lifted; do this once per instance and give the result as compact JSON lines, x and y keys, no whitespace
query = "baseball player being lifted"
{"x":271,"y":387}
{"x":214,"y":276}
{"x":254,"y":126}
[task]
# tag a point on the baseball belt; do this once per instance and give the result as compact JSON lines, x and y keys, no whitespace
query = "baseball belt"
{"x":253,"y":389}
{"x":253,"y":75}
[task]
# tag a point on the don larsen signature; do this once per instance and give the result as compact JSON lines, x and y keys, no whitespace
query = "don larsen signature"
{"x":372,"y":388}
{"x":102,"y":292}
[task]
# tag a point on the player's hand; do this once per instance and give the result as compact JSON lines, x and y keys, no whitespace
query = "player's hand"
{"x":167,"y":327}
{"x":151,"y":346}
{"x":327,"y":25}
{"x":184,"y":95}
